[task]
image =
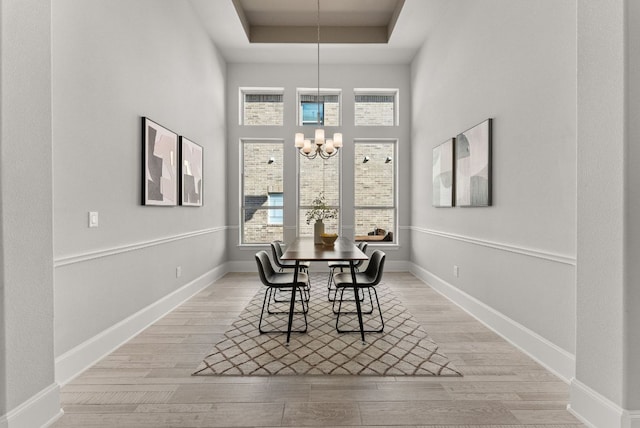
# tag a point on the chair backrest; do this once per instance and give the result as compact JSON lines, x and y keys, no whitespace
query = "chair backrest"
{"x":375,"y":267}
{"x":362,"y":245}
{"x":276,"y":250}
{"x":265,"y":269}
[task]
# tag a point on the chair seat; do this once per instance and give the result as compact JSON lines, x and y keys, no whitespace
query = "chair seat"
{"x":342,"y":264}
{"x":292,"y":265}
{"x":343,"y":279}
{"x":285,"y":280}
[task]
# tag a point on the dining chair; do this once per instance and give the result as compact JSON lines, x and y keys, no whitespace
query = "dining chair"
{"x":285,"y":265}
{"x":366,"y":280}
{"x":280,"y":281}
{"x":342,"y":265}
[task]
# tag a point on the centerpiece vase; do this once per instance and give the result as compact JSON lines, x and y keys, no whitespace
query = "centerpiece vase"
{"x":318,"y":230}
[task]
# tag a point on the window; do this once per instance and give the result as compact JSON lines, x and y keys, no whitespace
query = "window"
{"x":318,"y":176}
{"x":276,"y":216}
{"x":375,"y":190}
{"x":262,"y":191}
{"x":262,"y":106}
{"x":376,"y":107}
{"x":324,"y":110}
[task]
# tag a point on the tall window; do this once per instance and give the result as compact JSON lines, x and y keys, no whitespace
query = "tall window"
{"x":376,"y":107}
{"x":323,"y":111}
{"x":262,"y":106}
{"x":375,"y":190}
{"x":262,"y":191}
{"x":318,"y":176}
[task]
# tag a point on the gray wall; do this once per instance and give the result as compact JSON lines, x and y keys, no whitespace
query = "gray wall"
{"x":113,"y":62}
{"x":513,"y":61}
{"x":608,"y":304}
{"x":26,"y":275}
{"x":293,"y":76}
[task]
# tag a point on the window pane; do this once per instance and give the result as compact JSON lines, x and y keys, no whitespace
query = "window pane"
{"x":263,"y":175}
{"x":379,"y":222}
{"x":375,"y":109}
{"x":318,"y":176}
{"x":276,"y":217}
{"x":374,"y":175}
{"x":330,"y":225}
{"x":263,"y":109}
{"x":328,"y":104}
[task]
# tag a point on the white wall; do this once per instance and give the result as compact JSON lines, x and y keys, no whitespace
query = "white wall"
{"x":513,"y":61}
{"x":113,"y":62}
{"x":293,"y":76}
{"x":29,"y":395}
{"x":605,"y":391}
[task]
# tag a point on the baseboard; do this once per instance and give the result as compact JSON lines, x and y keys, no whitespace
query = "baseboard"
{"x":597,"y":411}
{"x":41,"y":410}
{"x":75,"y":361}
{"x":552,"y":357}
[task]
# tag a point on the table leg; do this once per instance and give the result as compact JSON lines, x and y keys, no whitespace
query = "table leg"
{"x":357,"y":297}
{"x":293,"y":301}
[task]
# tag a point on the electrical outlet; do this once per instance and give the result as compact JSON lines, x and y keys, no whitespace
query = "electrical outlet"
{"x":456,"y":271}
{"x":178,"y":271}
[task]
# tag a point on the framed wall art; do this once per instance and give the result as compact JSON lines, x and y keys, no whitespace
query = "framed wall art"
{"x":191,"y":160}
{"x":473,"y":166}
{"x":159,"y":164}
{"x":443,"y":174}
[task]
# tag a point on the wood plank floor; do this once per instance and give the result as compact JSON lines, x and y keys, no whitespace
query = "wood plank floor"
{"x":147,"y":381}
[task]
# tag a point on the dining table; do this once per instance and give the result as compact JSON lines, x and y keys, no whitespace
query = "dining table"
{"x":305,"y":249}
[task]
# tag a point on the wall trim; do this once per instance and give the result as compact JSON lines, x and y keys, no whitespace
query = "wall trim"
{"x":551,"y":356}
{"x":597,"y":411}
{"x":75,"y":361}
{"x":41,"y":410}
{"x":91,"y":255}
{"x":554,"y":257}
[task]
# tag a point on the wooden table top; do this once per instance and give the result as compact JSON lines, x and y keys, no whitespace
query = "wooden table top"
{"x":305,"y":249}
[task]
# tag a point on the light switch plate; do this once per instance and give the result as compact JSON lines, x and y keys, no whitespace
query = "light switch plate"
{"x":93,"y":219}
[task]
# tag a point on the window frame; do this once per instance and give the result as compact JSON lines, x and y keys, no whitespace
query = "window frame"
{"x":395,"y":143}
{"x":241,"y":205}
{"x":379,"y":92}
{"x":314,"y":92}
{"x":243,"y":91}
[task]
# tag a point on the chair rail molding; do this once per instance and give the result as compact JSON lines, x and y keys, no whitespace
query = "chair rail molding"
{"x":90,"y":255}
{"x":540,"y":254}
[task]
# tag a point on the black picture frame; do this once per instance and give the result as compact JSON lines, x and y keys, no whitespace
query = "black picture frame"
{"x":443,"y":174}
{"x":473,"y":165}
{"x":159,"y":164}
{"x":191,"y":173}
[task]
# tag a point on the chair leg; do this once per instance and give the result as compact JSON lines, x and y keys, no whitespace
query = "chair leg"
{"x":340,"y":312}
{"x":265,"y":303}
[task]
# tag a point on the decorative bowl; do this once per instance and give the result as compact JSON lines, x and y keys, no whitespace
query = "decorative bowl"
{"x":328,"y":239}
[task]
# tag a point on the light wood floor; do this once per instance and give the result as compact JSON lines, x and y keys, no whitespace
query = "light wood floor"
{"x":147,"y":382}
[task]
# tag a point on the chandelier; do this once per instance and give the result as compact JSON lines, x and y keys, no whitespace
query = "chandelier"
{"x":319,"y":146}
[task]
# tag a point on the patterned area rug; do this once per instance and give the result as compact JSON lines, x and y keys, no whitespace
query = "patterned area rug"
{"x":404,"y":348}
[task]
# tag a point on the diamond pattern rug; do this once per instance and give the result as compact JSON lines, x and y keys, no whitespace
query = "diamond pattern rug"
{"x":404,"y":348}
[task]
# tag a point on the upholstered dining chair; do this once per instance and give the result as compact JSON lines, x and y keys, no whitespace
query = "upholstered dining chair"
{"x":342,"y":265}
{"x":280,"y":281}
{"x":285,"y":265}
{"x":366,"y":280}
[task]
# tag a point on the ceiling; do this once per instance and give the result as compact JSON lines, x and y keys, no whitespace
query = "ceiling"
{"x":295,"y":21}
{"x":351,"y":31}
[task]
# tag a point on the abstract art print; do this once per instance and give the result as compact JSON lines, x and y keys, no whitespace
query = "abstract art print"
{"x":160,"y":164}
{"x":191,"y":159}
{"x":473,"y":166}
{"x":443,"y":174}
